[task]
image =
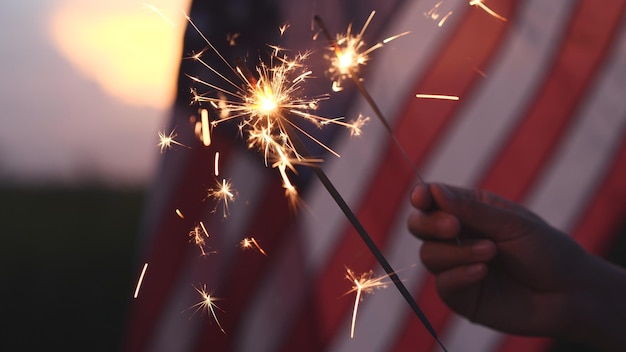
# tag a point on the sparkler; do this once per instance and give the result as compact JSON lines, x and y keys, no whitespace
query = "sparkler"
{"x":348,"y":57}
{"x":267,"y":104}
{"x":208,"y":303}
{"x":363,"y":284}
{"x":346,"y":63}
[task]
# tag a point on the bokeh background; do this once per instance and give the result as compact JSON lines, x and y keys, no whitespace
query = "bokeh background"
{"x":86,"y":86}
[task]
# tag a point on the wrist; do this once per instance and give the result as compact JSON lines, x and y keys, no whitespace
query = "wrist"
{"x":597,"y":314}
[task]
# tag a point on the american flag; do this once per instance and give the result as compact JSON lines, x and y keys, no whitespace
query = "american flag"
{"x":541,"y":120}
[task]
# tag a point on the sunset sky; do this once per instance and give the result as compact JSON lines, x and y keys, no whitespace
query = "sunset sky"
{"x":86,"y":86}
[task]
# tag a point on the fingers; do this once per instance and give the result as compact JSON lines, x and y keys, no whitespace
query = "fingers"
{"x":478,"y":211}
{"x":435,"y":225}
{"x":450,"y":282}
{"x":439,"y":257}
{"x":421,"y":198}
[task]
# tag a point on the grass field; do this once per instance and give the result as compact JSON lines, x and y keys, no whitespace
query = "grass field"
{"x":66,"y":266}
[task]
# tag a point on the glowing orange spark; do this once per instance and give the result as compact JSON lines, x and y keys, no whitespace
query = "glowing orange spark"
{"x":362,"y":284}
{"x":206,"y":131}
{"x":143,"y":272}
{"x":349,"y":53}
{"x":479,"y":3}
{"x":217,"y":163}
{"x":223,"y":193}
{"x":437,"y":96}
{"x":167,"y":141}
{"x":232,"y":38}
{"x":208,"y":303}
{"x":180,"y":214}
{"x":197,"y":237}
{"x":434,"y":14}
{"x":283,"y":28}
{"x":251,"y":242}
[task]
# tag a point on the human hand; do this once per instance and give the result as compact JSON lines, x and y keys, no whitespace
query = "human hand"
{"x":512,"y":271}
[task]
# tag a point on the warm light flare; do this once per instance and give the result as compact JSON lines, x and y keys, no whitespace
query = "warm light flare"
{"x":129,"y":50}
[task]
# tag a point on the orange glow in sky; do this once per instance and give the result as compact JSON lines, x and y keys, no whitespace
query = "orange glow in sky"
{"x":131,"y":51}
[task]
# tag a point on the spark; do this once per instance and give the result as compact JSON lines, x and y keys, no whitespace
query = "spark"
{"x":437,"y":96}
{"x":268,"y":103}
{"x":223,"y":193}
{"x":143,"y":272}
{"x":197,"y":235}
{"x":435,"y":15}
{"x":232,"y":38}
{"x":283,"y":28}
{"x":208,"y":303}
{"x":251,"y":242}
{"x":479,"y":3}
{"x":350,"y":53}
{"x":217,"y":163}
{"x":363,"y":284}
{"x":206,"y":130}
{"x":166,"y":141}
{"x":180,"y":214}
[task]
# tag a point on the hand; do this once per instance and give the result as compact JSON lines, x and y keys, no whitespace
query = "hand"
{"x":502,"y":266}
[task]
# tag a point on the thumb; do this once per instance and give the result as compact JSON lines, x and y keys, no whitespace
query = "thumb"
{"x":483,"y":213}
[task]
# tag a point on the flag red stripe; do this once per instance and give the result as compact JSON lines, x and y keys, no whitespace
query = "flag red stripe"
{"x":533,"y":141}
{"x":605,"y":213}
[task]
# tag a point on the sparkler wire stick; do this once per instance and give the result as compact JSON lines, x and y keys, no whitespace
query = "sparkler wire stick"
{"x":371,"y":245}
{"x":367,"y":96}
